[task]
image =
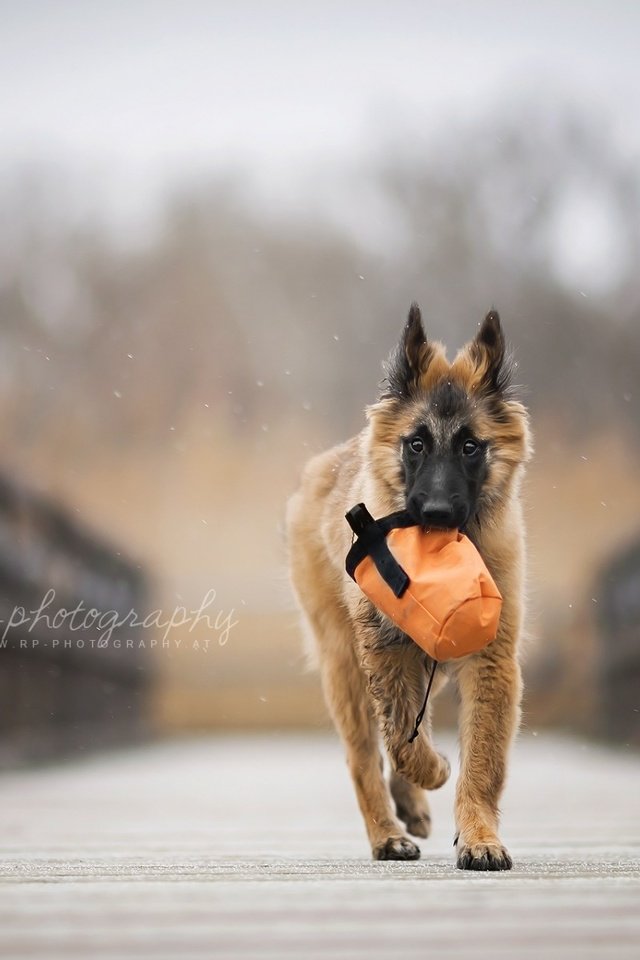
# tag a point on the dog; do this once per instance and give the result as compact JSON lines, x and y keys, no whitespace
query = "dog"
{"x":448,"y":441}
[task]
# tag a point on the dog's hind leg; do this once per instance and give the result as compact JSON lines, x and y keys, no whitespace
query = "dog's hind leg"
{"x":346,"y":696}
{"x":412,"y":806}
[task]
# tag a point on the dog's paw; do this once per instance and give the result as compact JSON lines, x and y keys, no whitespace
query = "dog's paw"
{"x":421,"y":765}
{"x":396,"y":848}
{"x":418,"y":824}
{"x":442,"y":773}
{"x":483,"y":856}
{"x":412,"y":806}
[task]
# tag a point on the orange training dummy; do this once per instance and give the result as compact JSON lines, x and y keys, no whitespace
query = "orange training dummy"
{"x":433,"y":584}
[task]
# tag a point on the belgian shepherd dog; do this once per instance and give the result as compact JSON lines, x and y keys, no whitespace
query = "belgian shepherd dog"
{"x":448,"y":441}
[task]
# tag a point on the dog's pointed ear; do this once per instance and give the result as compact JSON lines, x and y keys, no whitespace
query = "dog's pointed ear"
{"x":489,"y":352}
{"x":410,"y":358}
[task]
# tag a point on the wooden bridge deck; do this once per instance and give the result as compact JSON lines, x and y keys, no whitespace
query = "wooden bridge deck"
{"x":252,"y":846}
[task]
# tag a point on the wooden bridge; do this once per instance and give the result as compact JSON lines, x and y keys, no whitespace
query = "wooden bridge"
{"x":252,"y":847}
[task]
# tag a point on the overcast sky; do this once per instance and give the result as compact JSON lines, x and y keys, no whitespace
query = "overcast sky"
{"x":137,"y":95}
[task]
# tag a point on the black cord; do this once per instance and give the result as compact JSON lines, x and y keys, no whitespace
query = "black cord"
{"x":420,"y":716}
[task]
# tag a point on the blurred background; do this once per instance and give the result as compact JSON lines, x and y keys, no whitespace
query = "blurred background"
{"x":213,"y":218}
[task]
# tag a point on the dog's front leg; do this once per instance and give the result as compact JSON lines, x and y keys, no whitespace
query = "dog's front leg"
{"x":397,"y":679}
{"x":490,"y":690}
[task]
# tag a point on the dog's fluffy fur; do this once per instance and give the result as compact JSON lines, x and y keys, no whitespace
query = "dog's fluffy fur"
{"x":373,"y":675}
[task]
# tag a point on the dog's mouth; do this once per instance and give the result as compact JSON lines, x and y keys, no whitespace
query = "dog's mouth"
{"x":458,"y":521}
{"x":438,"y":528}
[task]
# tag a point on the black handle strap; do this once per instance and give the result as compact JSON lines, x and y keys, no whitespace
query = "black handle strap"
{"x":372,"y":542}
{"x":359,"y":519}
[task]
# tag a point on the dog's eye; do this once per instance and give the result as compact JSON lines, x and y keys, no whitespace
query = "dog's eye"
{"x":470,"y":448}
{"x":417,"y":445}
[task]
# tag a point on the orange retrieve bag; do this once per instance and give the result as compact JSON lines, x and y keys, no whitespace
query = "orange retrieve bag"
{"x":433,"y":584}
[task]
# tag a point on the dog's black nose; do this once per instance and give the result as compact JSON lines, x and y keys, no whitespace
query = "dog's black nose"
{"x":438,"y":513}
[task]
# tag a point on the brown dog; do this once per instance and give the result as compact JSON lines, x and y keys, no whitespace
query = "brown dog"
{"x":448,"y":442}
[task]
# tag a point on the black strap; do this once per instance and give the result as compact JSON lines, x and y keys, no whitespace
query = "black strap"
{"x":420,"y":716}
{"x":372,"y":542}
{"x":359,"y":518}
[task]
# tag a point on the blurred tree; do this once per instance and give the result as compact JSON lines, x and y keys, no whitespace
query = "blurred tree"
{"x":262,"y":320}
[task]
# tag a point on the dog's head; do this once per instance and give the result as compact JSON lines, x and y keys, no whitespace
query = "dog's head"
{"x":447,"y":440}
